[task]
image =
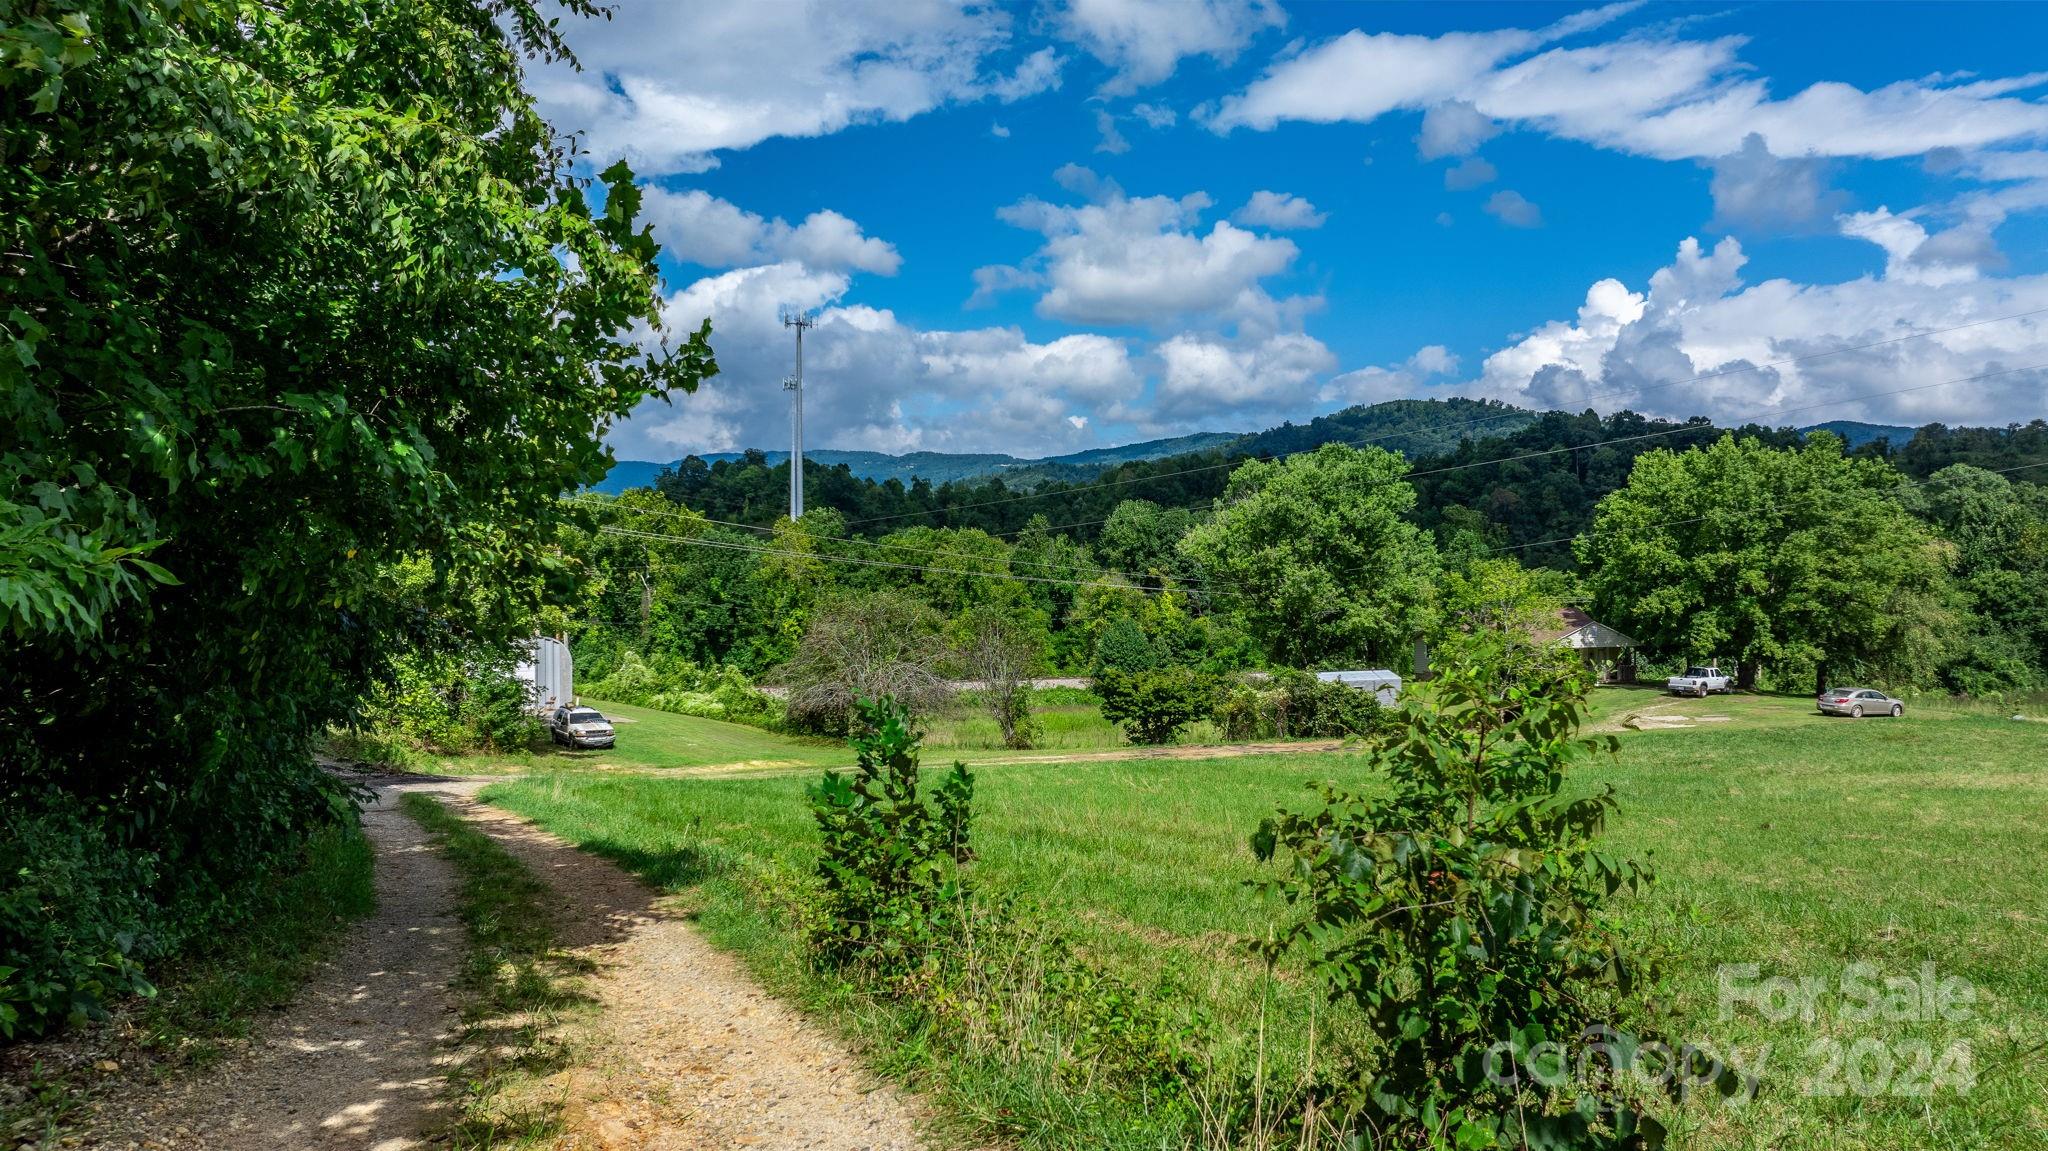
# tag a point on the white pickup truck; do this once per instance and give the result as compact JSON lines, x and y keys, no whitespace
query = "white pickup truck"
{"x":1699,"y":681}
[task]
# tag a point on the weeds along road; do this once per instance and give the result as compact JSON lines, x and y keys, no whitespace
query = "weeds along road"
{"x":681,"y":1050}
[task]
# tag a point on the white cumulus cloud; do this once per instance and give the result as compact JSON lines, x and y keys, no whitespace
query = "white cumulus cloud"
{"x":1141,"y":260}
{"x":1653,"y":93}
{"x":1699,"y":318}
{"x":1280,"y":211}
{"x":1217,"y":381}
{"x":700,"y":228}
{"x":670,"y":85}
{"x":871,"y":380}
{"x":1144,"y":40}
{"x":1514,"y":209}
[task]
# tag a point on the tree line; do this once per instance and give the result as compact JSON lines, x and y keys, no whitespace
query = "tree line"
{"x":1783,"y":553}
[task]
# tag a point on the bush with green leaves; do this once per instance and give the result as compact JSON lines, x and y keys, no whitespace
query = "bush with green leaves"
{"x":999,"y":650}
{"x":865,"y":646}
{"x":890,"y":868}
{"x":1122,"y":645}
{"x":449,"y":704}
{"x":75,"y":917}
{"x":1461,"y":913}
{"x":1297,"y":705}
{"x":1153,"y":705}
{"x":673,"y":684}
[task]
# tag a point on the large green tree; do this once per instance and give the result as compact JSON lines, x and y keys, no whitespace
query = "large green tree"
{"x":295,"y":290}
{"x":2000,"y":532}
{"x":1801,"y":559}
{"x":1316,"y":554}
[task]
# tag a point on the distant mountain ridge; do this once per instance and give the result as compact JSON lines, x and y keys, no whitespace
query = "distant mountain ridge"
{"x":1855,"y":433}
{"x":1415,"y":428}
{"x":942,"y":467}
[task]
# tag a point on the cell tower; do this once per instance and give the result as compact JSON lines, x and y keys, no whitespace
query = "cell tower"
{"x":794,"y":385}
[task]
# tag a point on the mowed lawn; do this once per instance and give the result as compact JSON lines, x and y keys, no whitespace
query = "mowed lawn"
{"x":1784,"y":840}
{"x":650,"y":740}
{"x":653,"y":740}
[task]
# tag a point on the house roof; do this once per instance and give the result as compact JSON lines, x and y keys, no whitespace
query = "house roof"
{"x":1577,"y":629}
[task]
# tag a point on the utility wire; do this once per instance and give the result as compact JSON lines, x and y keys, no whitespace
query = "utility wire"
{"x":1473,"y":422}
{"x":1089,"y":569}
{"x":727,"y":545}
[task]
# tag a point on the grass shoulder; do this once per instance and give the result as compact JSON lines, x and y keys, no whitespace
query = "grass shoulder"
{"x":518,"y":990}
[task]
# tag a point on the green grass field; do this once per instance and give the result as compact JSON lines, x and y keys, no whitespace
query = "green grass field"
{"x":1782,"y":839}
{"x":650,"y":740}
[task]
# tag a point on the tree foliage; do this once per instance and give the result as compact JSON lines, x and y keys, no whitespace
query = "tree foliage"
{"x":999,"y":652}
{"x":865,"y":646}
{"x":1800,"y":559}
{"x":1152,"y":705}
{"x":2000,"y":533}
{"x":1315,"y":555}
{"x":295,"y":291}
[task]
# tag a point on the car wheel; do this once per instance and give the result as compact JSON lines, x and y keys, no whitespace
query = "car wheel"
{"x":1898,"y":709}
{"x":1856,"y":712}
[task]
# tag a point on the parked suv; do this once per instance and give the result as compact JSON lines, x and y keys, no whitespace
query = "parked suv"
{"x":580,"y":727}
{"x":1857,"y":702}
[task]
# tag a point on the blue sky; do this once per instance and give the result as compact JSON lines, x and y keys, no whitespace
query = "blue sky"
{"x":1057,"y":225}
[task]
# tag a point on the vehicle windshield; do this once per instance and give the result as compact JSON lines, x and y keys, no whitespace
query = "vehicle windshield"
{"x":1837,"y":691}
{"x":1696,"y":672}
{"x":585,"y":716}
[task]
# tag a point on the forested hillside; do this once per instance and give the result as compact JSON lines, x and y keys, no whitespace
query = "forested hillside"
{"x":1172,"y":556}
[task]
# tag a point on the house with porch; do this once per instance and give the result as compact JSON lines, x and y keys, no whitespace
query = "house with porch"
{"x":1609,"y":653}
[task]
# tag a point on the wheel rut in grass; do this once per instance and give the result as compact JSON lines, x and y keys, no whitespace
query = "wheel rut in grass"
{"x":687,"y":1052}
{"x":358,"y":1060}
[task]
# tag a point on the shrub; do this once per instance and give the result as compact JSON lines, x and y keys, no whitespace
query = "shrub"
{"x":672,"y":684}
{"x":1122,"y":646}
{"x":1152,"y":706}
{"x":1298,"y":705}
{"x":1461,"y":915}
{"x":864,"y":647}
{"x":75,"y":917}
{"x":454,"y":703}
{"x":891,"y":855}
{"x":1001,"y":652}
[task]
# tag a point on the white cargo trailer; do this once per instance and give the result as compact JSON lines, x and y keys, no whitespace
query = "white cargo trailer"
{"x":1384,"y":685}
{"x":547,"y":673}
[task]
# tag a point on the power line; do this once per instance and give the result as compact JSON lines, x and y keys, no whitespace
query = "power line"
{"x":730,"y":546}
{"x":1473,"y":422}
{"x":1090,"y":569}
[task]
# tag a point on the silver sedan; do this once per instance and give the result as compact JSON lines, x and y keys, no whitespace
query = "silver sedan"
{"x":1857,"y":702}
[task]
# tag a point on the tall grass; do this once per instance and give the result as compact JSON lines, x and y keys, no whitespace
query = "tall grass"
{"x":1782,"y":839}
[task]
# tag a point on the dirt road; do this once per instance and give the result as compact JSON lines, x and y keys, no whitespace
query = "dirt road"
{"x":687,"y":1054}
{"x":357,"y":1061}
